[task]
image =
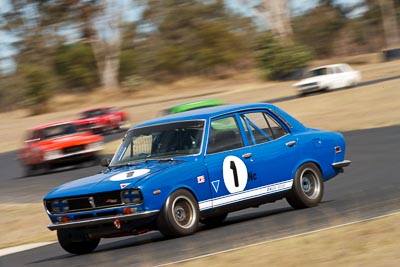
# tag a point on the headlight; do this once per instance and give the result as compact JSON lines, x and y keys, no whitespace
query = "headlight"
{"x":95,"y":146}
{"x":58,"y":206}
{"x":132,"y":196}
{"x":52,"y":154}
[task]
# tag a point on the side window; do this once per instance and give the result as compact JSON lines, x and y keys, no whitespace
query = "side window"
{"x":261,"y":128}
{"x":345,"y":68}
{"x":35,"y":135}
{"x":224,"y":135}
{"x":276,"y":129}
{"x":338,"y":70}
{"x":256,"y":127}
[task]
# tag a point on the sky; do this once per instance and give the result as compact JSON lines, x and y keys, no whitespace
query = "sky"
{"x":297,"y":7}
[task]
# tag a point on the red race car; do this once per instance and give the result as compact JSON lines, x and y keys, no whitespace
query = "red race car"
{"x":102,"y":119}
{"x":58,"y":144}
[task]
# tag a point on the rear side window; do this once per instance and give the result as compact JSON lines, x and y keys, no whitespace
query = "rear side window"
{"x":338,"y":69}
{"x":260,"y":127}
{"x":224,"y":135}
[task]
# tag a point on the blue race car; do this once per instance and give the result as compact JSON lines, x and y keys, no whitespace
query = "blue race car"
{"x":175,"y":171}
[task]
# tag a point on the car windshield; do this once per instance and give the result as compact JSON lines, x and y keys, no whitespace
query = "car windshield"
{"x":159,"y":142}
{"x":58,"y":130}
{"x":316,"y":72}
{"x":92,"y":113}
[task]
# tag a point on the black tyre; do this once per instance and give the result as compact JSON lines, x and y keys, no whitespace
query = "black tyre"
{"x":308,"y":187}
{"x":74,"y":243}
{"x":33,"y":170}
{"x":179,"y":215}
{"x":29,"y":170}
{"x":214,"y":220}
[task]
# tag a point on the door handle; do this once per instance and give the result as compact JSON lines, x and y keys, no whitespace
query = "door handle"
{"x":290,"y":143}
{"x":247,"y":155}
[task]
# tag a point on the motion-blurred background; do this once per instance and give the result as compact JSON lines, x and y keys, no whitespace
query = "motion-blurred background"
{"x":50,"y":47}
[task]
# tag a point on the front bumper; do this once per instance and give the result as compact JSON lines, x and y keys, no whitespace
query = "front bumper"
{"x":103,"y":220}
{"x":309,"y":88}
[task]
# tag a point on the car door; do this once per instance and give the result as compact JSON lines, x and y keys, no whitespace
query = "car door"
{"x":341,"y":77}
{"x":228,"y":161}
{"x":274,"y":150}
{"x":348,"y":75}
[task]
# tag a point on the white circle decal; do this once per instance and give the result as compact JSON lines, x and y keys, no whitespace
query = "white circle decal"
{"x":235,"y":174}
{"x":129,"y":175}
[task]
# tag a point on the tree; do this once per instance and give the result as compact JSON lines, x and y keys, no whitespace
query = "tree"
{"x":76,"y":66}
{"x":192,"y":37}
{"x":39,"y":87}
{"x":274,"y":14}
{"x":41,"y":24}
{"x":390,"y":27}
{"x":280,"y":60}
{"x":11,"y":92}
{"x":278,"y":17}
{"x":319,"y":27}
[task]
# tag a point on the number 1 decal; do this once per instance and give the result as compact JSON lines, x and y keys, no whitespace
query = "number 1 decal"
{"x":235,"y":174}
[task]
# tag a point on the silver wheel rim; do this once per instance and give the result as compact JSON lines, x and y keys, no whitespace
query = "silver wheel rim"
{"x":183,"y":212}
{"x":310,"y":184}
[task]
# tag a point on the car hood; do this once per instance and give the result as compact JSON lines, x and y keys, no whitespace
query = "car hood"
{"x":68,"y":140}
{"x":114,"y":179}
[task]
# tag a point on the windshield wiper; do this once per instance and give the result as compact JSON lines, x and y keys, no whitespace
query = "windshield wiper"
{"x":124,"y":165}
{"x":160,"y":160}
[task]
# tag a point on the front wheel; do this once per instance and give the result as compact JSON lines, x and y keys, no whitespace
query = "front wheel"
{"x":179,"y":215}
{"x":74,"y":243}
{"x":308,"y":187}
{"x":33,"y":170}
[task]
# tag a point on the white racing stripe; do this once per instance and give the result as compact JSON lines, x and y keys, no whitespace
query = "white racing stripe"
{"x":245,"y":195}
{"x":279,"y":239}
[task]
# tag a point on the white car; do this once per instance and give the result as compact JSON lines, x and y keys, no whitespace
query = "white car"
{"x":328,"y":77}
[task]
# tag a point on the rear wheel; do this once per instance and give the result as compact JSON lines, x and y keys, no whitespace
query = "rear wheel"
{"x":179,"y":215}
{"x":308,"y":187}
{"x":74,"y":243}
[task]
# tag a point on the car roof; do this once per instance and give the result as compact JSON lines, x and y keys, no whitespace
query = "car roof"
{"x":195,"y":105}
{"x":330,"y":66}
{"x":209,"y":112}
{"x":97,"y":108}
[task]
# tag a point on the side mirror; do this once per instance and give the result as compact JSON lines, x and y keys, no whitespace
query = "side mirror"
{"x":105,"y":162}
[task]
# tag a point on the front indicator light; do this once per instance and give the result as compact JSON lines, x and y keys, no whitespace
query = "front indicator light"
{"x":156,"y":192}
{"x":129,"y":210}
{"x":63,"y":219}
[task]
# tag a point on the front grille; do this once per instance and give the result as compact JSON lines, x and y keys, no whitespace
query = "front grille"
{"x":80,"y":203}
{"x":100,"y":200}
{"x":73,"y":149}
{"x":108,"y":199}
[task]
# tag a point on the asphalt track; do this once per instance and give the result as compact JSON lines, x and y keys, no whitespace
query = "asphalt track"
{"x":369,"y":187}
